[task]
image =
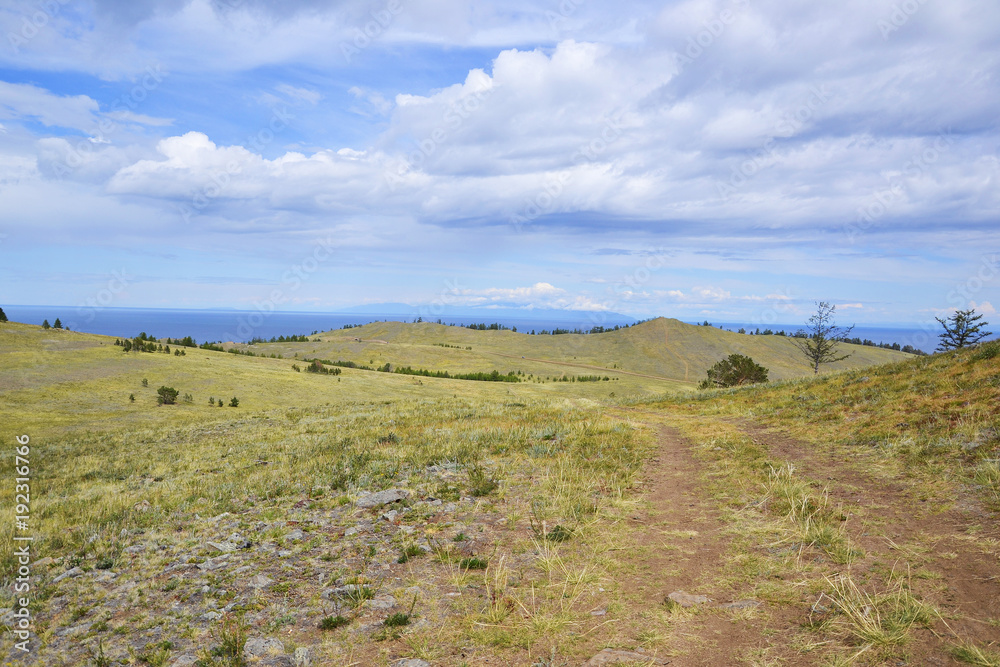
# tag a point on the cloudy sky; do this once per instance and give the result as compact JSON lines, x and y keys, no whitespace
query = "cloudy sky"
{"x":719,"y":159}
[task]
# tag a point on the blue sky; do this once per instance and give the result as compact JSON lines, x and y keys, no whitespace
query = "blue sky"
{"x":732,"y":160}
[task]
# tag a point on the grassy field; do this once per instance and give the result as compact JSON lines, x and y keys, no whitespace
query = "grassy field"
{"x":533,"y":523}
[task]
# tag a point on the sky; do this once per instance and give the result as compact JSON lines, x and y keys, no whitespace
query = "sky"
{"x":729,"y":160}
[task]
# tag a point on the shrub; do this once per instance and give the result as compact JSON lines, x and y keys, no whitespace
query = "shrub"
{"x":333,"y":622}
{"x":233,"y":403}
{"x":733,"y":371}
{"x":166,"y":395}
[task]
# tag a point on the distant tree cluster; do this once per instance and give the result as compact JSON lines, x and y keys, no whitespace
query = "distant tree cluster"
{"x":3,"y":315}
{"x":146,"y":343}
{"x":281,"y":339}
{"x":187,"y":341}
{"x":316,"y":366}
{"x":45,"y":324}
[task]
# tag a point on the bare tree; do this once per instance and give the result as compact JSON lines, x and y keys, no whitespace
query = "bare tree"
{"x":819,"y":342}
{"x":962,"y":330}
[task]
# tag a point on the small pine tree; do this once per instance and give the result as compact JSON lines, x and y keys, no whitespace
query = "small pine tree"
{"x":167,"y":395}
{"x":962,"y":329}
{"x":3,"y":315}
{"x":221,"y":403}
{"x":57,"y":324}
{"x":46,"y":325}
{"x":733,"y":371}
{"x":131,"y":398}
{"x":234,"y":403}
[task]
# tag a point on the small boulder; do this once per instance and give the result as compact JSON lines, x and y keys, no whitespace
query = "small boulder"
{"x":382,"y":498}
{"x":262,"y":647}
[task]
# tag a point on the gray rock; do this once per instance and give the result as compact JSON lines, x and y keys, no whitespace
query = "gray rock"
{"x":262,"y":647}
{"x":285,"y":553}
{"x":68,"y":574}
{"x":381,"y":603}
{"x":411,"y":662}
{"x":390,"y":516}
{"x":687,"y":600}
{"x":224,"y":547}
{"x":213,"y":564}
{"x":612,"y":657}
{"x":210,"y":616}
{"x":179,"y":567}
{"x":741,"y":604}
{"x":259,"y":581}
{"x":239,"y":541}
{"x":302,"y":657}
{"x":295,"y":536}
{"x":382,"y":498}
{"x":184,"y":660}
{"x":135,"y":549}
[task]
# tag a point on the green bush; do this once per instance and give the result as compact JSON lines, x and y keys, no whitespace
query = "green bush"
{"x":733,"y":371}
{"x":166,"y":395}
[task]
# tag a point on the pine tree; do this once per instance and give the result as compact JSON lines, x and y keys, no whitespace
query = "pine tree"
{"x":46,"y":325}
{"x":962,"y":329}
{"x":57,"y":324}
{"x":3,"y":316}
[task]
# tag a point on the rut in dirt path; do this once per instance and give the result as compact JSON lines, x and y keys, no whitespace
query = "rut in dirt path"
{"x":682,"y":547}
{"x":958,"y":546}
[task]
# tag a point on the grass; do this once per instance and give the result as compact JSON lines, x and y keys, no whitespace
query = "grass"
{"x":555,"y":472}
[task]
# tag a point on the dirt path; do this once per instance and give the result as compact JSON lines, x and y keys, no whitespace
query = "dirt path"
{"x":682,"y":546}
{"x":958,"y":549}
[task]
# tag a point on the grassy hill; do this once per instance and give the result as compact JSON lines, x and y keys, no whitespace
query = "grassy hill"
{"x":663,"y":348}
{"x":169,"y":532}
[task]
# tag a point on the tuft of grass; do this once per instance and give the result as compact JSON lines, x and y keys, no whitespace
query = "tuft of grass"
{"x":409,"y":552}
{"x":559,"y":534}
{"x":333,"y":622}
{"x":880,"y":622}
{"x":473,"y":563}
{"x":397,"y":620}
{"x":973,"y":655}
{"x":481,"y":483}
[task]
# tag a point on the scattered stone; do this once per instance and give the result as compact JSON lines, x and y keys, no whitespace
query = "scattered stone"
{"x":599,"y":612}
{"x":276,"y":661}
{"x":612,"y":657}
{"x":381,"y":498}
{"x":224,"y":547}
{"x":259,"y":582}
{"x":261,"y":647}
{"x":411,"y":662}
{"x":381,"y":603}
{"x":687,"y":600}
{"x":135,"y":549}
{"x":295,"y":536}
{"x":285,"y":553}
{"x":302,"y":657}
{"x":741,"y":604}
{"x":213,"y":564}
{"x":179,"y":567}
{"x":390,"y":516}
{"x":239,"y":541}
{"x":68,"y":574}
{"x":185,"y":660}
{"x":210,"y":616}
{"x":45,"y":562}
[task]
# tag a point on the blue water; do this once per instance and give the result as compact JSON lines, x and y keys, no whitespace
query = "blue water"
{"x":232,"y":325}
{"x":923,"y":338}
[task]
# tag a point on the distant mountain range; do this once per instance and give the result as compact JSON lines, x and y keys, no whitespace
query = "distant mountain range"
{"x":575,"y":318}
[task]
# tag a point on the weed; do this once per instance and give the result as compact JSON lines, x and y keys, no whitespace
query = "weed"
{"x":473,"y":563}
{"x":559,"y":534}
{"x":333,"y":622}
{"x":481,"y":483}
{"x":397,"y":620}
{"x":408,"y":552}
{"x":973,"y":655}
